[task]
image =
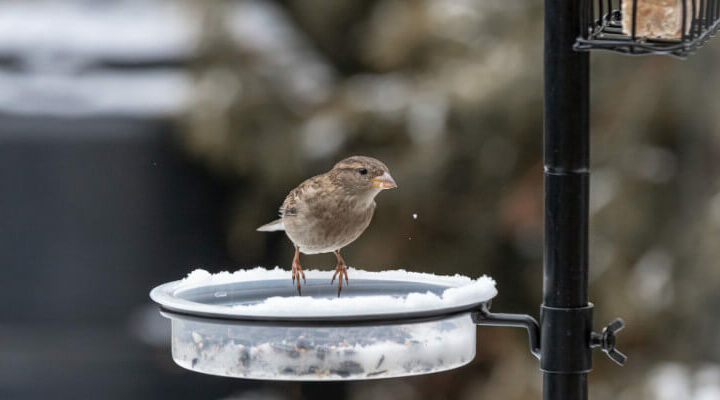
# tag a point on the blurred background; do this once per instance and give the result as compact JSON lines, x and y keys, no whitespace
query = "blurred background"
{"x":142,"y":139}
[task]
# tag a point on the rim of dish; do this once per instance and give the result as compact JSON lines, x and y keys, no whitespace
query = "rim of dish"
{"x":460,"y":293}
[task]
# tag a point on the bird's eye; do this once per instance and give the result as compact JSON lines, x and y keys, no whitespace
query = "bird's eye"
{"x":363,"y":171}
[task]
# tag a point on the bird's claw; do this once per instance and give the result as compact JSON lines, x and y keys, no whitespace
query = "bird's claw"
{"x":339,"y":284}
{"x":297,"y":272}
{"x":342,"y":270}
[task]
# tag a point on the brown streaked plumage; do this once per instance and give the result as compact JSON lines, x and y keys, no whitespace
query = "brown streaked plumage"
{"x":327,"y":212}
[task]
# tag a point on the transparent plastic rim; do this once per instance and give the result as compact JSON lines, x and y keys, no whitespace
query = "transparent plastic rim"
{"x":170,"y":297}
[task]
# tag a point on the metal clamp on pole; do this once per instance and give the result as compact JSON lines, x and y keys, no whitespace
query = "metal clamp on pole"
{"x":567,"y":331}
{"x":554,"y":320}
{"x":485,"y":317}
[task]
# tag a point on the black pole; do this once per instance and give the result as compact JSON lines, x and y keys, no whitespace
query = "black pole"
{"x":566,"y":315}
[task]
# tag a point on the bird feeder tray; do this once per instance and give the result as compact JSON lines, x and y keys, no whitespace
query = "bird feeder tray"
{"x":674,"y":27}
{"x":252,"y":324}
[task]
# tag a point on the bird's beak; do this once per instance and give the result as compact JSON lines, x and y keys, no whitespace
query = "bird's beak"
{"x":384,"y":181}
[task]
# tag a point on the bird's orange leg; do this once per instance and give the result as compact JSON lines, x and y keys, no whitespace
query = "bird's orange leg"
{"x":340,"y":269}
{"x":297,"y":270}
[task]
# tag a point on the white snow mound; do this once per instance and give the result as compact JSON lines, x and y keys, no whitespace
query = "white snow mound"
{"x":461,"y":290}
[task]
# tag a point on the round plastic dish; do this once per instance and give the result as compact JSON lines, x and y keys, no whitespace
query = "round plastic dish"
{"x":380,"y":327}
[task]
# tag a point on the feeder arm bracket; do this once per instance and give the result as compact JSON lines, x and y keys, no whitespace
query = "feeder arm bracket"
{"x":483,"y":316}
{"x":604,"y":340}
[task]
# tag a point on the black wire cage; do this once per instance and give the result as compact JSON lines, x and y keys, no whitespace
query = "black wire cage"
{"x":674,"y":27}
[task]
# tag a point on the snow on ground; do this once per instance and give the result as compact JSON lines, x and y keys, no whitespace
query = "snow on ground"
{"x":62,"y":54}
{"x":133,"y":29}
{"x":161,"y":92}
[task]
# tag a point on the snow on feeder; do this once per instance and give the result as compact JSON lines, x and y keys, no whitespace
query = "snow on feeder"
{"x":251,"y":324}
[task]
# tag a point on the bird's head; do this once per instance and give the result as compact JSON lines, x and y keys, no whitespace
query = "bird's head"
{"x":360,"y":174}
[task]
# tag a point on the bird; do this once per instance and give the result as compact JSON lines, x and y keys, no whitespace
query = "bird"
{"x":329,"y":211}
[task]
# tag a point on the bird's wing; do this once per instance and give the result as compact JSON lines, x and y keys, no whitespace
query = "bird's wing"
{"x":289,"y":206}
{"x":297,"y":197}
{"x":292,"y":202}
{"x":276,"y":225}
{"x":288,"y":209}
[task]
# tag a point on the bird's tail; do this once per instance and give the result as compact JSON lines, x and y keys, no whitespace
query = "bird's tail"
{"x":276,"y":225}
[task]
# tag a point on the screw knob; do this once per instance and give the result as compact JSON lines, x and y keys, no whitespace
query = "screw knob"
{"x":606,"y":341}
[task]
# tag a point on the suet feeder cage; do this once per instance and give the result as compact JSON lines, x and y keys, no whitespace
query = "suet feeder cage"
{"x":675,"y":27}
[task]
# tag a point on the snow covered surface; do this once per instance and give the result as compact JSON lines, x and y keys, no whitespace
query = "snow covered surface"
{"x":60,"y":48}
{"x":63,"y":53}
{"x":128,"y":29}
{"x":201,"y":277}
{"x":457,"y":291}
{"x":161,"y":92}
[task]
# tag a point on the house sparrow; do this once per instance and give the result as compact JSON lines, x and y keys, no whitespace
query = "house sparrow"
{"x":327,"y":212}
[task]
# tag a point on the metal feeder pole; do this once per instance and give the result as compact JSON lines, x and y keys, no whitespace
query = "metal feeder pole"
{"x":566,"y":315}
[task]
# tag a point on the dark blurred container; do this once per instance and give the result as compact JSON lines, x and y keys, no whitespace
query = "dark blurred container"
{"x":94,"y":213}
{"x":97,"y":205}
